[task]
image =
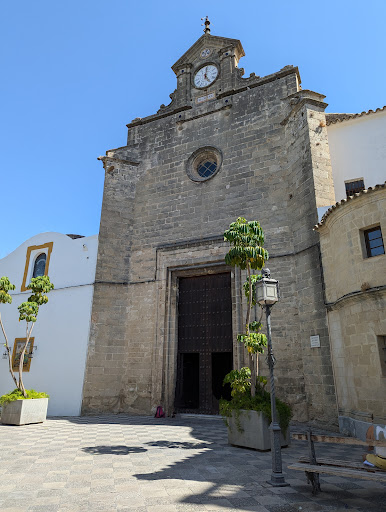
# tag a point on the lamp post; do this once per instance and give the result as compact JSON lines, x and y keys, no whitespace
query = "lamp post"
{"x":267,"y":296}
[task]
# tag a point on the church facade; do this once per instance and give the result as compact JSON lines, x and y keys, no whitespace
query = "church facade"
{"x":166,"y":308}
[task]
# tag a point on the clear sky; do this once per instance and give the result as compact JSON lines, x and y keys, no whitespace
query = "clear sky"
{"x":74,"y":73}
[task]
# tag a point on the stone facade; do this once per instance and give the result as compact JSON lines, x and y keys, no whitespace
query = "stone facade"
{"x":158,"y":224}
{"x":356,"y":304}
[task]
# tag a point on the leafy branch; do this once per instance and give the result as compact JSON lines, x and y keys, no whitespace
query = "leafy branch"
{"x":28,"y":311}
{"x":247,"y":252}
{"x":6,"y":298}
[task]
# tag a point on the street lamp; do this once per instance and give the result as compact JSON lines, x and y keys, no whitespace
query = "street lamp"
{"x":267,"y":295}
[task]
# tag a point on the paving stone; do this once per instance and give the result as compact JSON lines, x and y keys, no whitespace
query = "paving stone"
{"x":183,"y":464}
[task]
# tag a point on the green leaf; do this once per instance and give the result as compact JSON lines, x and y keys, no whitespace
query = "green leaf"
{"x":246,"y":240}
{"x":28,"y":311}
{"x":5,"y":287}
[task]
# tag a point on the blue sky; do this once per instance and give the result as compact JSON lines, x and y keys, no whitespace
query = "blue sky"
{"x":75,"y":73}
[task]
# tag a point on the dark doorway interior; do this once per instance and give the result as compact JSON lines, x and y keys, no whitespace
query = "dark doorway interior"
{"x":205,"y":348}
{"x":190,"y":380}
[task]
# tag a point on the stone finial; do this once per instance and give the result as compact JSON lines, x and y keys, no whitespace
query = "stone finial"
{"x":206,"y":23}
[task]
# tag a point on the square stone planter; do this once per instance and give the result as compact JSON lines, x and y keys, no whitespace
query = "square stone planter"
{"x":254,"y":431}
{"x":23,"y":412}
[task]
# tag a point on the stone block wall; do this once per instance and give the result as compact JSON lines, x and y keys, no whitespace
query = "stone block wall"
{"x":356,"y":300}
{"x":271,"y":171}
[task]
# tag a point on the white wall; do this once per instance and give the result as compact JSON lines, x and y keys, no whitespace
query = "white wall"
{"x":62,"y":329}
{"x":358,"y":149}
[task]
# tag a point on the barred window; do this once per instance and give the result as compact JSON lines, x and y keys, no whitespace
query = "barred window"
{"x":354,"y":186}
{"x":206,"y":169}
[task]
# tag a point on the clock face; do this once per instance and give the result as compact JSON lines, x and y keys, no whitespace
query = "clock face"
{"x":205,"y":76}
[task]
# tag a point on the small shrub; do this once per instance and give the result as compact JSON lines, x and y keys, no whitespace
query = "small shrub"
{"x":16,"y":394}
{"x":261,"y":402}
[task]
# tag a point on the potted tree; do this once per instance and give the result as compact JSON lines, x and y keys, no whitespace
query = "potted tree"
{"x":22,"y":406}
{"x":248,"y":412}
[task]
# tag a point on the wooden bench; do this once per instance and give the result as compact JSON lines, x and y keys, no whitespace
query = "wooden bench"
{"x":345,"y":468}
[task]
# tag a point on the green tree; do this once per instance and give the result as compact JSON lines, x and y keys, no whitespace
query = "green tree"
{"x":28,"y":311}
{"x":247,"y":252}
{"x":6,"y":298}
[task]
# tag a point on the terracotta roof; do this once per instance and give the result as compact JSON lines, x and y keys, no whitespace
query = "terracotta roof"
{"x":334,"y":118}
{"x":344,"y":201}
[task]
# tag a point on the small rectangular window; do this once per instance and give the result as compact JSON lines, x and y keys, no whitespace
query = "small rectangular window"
{"x":374,"y":242}
{"x":382,"y":353}
{"x":354,"y":186}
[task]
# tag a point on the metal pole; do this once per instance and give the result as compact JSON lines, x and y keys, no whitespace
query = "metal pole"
{"x":277,"y":477}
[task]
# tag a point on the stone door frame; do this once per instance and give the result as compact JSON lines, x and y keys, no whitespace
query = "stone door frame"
{"x":185,"y":260}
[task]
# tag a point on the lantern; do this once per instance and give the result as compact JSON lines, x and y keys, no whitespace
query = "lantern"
{"x":267,"y":289}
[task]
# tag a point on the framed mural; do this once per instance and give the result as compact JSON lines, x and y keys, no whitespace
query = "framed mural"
{"x":17,"y":348}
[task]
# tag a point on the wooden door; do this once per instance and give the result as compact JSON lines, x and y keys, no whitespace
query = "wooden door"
{"x":205,"y":348}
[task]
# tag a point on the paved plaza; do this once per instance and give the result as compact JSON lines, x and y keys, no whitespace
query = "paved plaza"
{"x":143,"y":464}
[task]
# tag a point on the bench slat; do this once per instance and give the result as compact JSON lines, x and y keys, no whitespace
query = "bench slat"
{"x":337,"y":440}
{"x":333,"y":470}
{"x":341,"y":463}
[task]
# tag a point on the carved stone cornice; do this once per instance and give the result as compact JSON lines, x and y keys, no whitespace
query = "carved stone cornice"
{"x":215,"y":42}
{"x":301,"y":98}
{"x":107,"y":159}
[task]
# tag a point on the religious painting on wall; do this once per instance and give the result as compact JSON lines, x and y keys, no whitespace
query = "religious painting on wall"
{"x":17,"y":348}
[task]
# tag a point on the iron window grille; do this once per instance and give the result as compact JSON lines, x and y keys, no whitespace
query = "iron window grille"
{"x":206,"y":169}
{"x":355,"y":186}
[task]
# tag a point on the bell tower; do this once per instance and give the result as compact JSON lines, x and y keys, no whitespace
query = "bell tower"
{"x":208,"y":70}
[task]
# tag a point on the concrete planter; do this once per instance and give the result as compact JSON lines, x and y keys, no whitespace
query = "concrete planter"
{"x":23,"y":412}
{"x":254,"y":433}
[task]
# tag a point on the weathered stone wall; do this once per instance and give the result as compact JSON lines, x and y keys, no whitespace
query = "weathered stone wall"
{"x":346,"y":267}
{"x":356,"y":301}
{"x":273,"y":170}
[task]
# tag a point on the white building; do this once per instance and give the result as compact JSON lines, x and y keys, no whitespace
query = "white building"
{"x":352,"y":234}
{"x":358,"y":150}
{"x":61,"y":333}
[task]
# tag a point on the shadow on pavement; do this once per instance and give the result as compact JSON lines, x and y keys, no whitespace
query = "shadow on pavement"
{"x":113,"y":450}
{"x":178,"y":445}
{"x":215,"y":473}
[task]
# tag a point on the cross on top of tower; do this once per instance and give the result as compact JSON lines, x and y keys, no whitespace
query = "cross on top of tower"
{"x":206,"y":23}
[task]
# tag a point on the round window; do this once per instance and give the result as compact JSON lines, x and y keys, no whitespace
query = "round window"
{"x":204,"y":163}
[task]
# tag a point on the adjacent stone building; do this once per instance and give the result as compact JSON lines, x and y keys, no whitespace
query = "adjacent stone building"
{"x":354,"y":265}
{"x":166,"y":308}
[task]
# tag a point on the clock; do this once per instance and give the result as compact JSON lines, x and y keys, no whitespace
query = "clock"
{"x":205,"y":76}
